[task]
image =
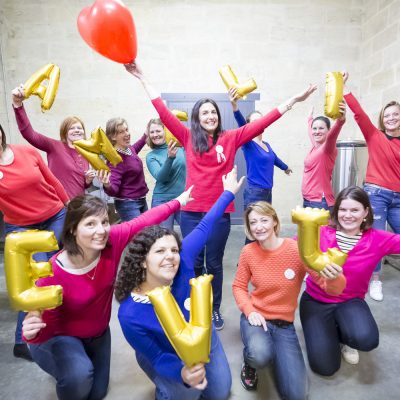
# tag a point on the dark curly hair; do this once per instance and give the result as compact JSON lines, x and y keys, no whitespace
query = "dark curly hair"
{"x":132,"y":273}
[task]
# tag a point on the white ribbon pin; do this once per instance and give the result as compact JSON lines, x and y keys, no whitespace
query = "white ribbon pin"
{"x":220,"y":153}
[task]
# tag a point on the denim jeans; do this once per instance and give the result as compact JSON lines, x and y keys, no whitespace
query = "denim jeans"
{"x":386,"y":206}
{"x":327,"y":325}
{"x":169,"y":222}
{"x":214,"y":249}
{"x":279,"y":347}
{"x":251,"y":194}
{"x":81,"y":367}
{"x":218,"y":376}
{"x":55,"y":224}
{"x":317,"y":204}
{"x":129,"y":209}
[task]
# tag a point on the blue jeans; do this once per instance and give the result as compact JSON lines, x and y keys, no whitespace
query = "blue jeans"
{"x":327,"y":325}
{"x":214,"y":249}
{"x":55,"y":224}
{"x":81,"y":367}
{"x":251,"y":194}
{"x":218,"y":376}
{"x":280,"y":347}
{"x":129,"y":209}
{"x":317,"y":204}
{"x":386,"y":206}
{"x":169,"y":222}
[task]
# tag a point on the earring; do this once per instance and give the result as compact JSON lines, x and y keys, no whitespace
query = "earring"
{"x":365,"y":219}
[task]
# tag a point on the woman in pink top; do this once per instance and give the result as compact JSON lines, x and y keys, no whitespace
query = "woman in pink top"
{"x":72,"y":342}
{"x":210,"y":154}
{"x":335,"y":323}
{"x":68,"y":166}
{"x":316,"y":187}
{"x":382,"y":181}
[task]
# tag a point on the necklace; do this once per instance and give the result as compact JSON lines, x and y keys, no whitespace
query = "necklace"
{"x":94,"y":273}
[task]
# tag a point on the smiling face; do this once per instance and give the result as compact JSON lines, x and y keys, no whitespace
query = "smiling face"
{"x":122,"y":137}
{"x":75,"y":132}
{"x":157,"y":134}
{"x":208,"y":118}
{"x":261,"y":226}
{"x":162,"y":262}
{"x":92,"y":233}
{"x":391,"y":119}
{"x":351,"y":214}
{"x":319,"y":131}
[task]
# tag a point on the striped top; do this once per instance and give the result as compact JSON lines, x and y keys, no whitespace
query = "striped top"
{"x":347,"y":242}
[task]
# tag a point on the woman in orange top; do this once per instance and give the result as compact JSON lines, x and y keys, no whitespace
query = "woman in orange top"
{"x":275,"y":270}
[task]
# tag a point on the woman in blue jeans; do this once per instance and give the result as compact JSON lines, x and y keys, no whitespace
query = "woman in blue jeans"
{"x":157,"y":257}
{"x":166,"y":163}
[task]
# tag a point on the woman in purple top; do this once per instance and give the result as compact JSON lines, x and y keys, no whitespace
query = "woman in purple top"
{"x":68,"y":166}
{"x":127,"y":184}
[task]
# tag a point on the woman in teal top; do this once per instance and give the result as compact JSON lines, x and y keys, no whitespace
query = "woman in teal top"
{"x":167,"y":164}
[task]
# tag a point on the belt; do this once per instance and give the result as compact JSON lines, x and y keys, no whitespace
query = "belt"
{"x":280,"y":323}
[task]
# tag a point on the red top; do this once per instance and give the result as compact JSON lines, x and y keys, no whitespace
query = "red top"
{"x":205,"y":171}
{"x":29,"y":192}
{"x":319,"y":164}
{"x":383,"y":151}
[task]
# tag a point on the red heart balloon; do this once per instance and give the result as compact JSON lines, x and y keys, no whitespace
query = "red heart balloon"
{"x":107,"y":26}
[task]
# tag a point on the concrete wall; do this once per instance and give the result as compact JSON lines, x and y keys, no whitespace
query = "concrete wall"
{"x":283,"y":44}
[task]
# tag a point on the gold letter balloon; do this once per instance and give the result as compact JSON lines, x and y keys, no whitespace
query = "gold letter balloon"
{"x":309,"y":221}
{"x":333,"y":94}
{"x":191,"y":341}
{"x":231,"y":81}
{"x":182,"y":116}
{"x":22,"y":272}
{"x":96,"y":145}
{"x":33,"y":86}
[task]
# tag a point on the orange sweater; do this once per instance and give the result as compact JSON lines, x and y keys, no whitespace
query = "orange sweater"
{"x":276,"y":276}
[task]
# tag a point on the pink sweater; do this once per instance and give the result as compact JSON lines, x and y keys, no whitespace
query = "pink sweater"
{"x":360,"y":264}
{"x":318,"y":166}
{"x":65,"y":163}
{"x":86,"y":308}
{"x":205,"y":171}
{"x":383,"y":153}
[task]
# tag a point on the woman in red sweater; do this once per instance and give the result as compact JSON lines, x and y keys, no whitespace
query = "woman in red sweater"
{"x":382,"y":181}
{"x":274,"y":268}
{"x":210,"y":153}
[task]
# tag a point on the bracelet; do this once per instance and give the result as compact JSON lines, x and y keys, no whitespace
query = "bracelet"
{"x":288,"y":107}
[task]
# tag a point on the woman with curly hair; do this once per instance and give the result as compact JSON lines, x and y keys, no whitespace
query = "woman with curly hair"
{"x":157,"y":258}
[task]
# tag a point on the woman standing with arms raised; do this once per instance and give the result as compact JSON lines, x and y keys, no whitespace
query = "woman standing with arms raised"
{"x":210,"y":153}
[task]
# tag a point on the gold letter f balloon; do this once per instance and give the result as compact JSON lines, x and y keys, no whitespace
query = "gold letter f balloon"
{"x":191,"y":341}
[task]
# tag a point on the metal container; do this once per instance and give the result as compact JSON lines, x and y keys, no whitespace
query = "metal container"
{"x":351,"y":164}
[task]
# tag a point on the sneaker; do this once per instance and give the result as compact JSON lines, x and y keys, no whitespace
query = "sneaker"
{"x":218,"y":320}
{"x":375,"y":290}
{"x":248,"y":377}
{"x":350,"y":355}
{"x":21,"y":350}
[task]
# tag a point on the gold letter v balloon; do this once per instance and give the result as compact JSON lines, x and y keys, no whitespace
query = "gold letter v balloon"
{"x":107,"y":27}
{"x":96,"y":145}
{"x":231,"y":81}
{"x":309,"y":221}
{"x":333,"y":94}
{"x":22,"y":272}
{"x":191,"y":341}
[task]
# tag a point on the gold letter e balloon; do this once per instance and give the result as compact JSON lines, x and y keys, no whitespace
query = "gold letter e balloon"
{"x":191,"y":341}
{"x":22,"y":271}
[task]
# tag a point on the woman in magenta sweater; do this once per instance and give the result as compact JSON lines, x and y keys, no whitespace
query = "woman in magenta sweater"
{"x":382,"y":181}
{"x":316,"y":187}
{"x":68,"y":166}
{"x":210,"y":153}
{"x":72,"y":342}
{"x":343,"y":323}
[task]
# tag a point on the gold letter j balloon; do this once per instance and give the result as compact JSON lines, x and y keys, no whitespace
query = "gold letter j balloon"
{"x":309,"y":221}
{"x":191,"y":341}
{"x":22,"y":271}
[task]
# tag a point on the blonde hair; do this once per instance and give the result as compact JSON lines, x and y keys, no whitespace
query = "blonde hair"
{"x":263,"y":208}
{"x":381,"y":126}
{"x":156,"y":121}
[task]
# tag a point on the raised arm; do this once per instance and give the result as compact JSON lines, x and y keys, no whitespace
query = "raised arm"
{"x":333,"y":134}
{"x":240,"y":120}
{"x":140,"y":143}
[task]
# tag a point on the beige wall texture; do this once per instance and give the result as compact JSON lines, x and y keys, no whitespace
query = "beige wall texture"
{"x":283,"y":44}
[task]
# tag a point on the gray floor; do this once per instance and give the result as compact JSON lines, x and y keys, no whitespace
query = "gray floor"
{"x":376,"y":376}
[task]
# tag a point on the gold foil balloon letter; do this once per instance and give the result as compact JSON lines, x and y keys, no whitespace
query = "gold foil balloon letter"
{"x":96,"y":145}
{"x":22,"y":272}
{"x":182,"y":116}
{"x":33,"y":86}
{"x":191,"y":341}
{"x":333,"y":94}
{"x":309,"y":221}
{"x":231,"y":81}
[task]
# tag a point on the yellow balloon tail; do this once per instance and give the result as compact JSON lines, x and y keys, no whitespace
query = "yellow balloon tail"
{"x":231,"y":81}
{"x":333,"y":94}
{"x":181,"y":115}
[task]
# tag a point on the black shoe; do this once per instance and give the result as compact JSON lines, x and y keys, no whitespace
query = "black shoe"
{"x":218,"y":320}
{"x":21,"y":350}
{"x":248,"y":377}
